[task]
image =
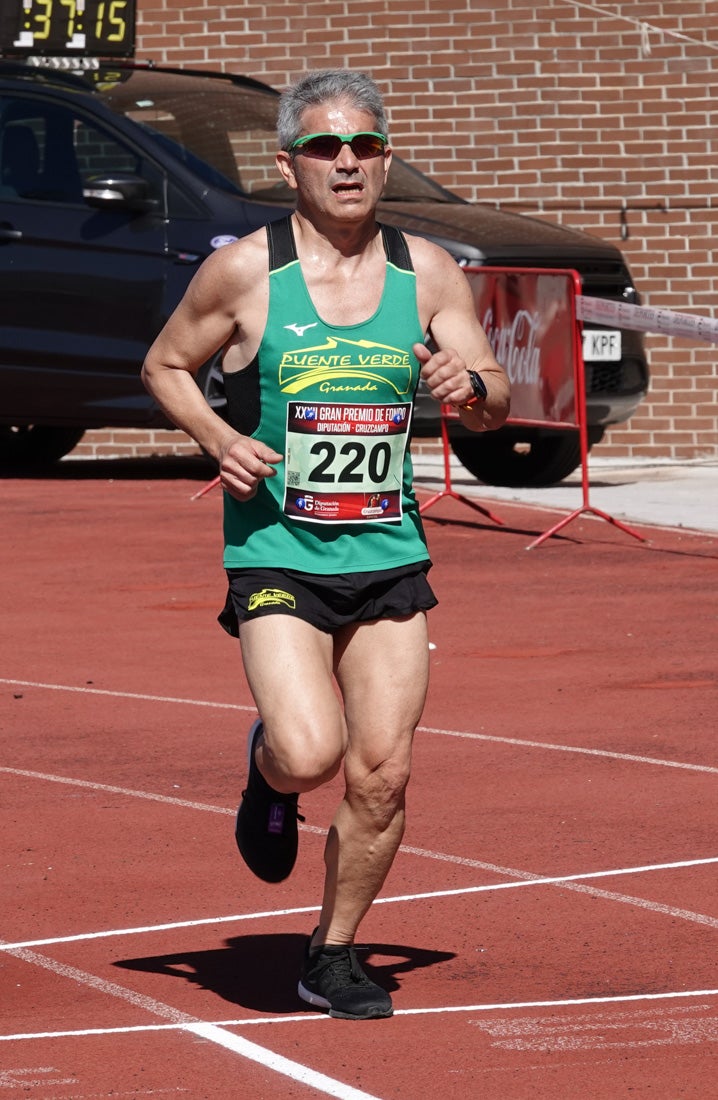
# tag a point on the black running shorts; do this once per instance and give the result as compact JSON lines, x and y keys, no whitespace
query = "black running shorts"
{"x":327,"y":602}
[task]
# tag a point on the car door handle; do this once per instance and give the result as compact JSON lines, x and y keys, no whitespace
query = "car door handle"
{"x":7,"y":233}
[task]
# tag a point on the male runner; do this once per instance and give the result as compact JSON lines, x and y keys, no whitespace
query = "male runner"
{"x":322,"y":318}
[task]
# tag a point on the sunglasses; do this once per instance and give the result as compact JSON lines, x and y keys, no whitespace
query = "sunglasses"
{"x":363,"y":145}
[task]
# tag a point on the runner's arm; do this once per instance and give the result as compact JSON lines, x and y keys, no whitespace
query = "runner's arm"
{"x":204,"y":322}
{"x":447,"y":308}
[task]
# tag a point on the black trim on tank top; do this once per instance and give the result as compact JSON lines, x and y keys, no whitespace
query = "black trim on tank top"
{"x":280,"y":238}
{"x":283,"y":249}
{"x":396,"y":248}
{"x":244,"y":406}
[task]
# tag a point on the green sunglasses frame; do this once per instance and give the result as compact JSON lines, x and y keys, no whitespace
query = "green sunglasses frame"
{"x":345,"y":139}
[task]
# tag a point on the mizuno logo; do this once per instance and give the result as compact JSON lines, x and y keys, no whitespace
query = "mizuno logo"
{"x":301,"y":329}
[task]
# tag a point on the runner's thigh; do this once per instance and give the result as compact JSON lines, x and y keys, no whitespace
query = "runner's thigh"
{"x":383,"y":670}
{"x":288,"y":664}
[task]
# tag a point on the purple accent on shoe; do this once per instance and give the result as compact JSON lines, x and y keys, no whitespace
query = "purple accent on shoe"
{"x":276,"y":818}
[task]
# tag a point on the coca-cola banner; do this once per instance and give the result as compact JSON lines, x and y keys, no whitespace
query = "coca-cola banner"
{"x":529,"y":318}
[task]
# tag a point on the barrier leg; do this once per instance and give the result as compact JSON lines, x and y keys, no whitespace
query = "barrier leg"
{"x":448,"y":490}
{"x":586,"y":506}
{"x":206,"y":488}
{"x":579,"y":512}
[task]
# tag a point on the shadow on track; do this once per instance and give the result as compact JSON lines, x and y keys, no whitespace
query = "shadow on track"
{"x":261,"y":972}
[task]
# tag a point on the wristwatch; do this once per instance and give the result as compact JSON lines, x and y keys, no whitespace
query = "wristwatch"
{"x":478,"y":386}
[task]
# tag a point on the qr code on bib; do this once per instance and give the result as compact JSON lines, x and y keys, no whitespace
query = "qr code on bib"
{"x":293,"y":479}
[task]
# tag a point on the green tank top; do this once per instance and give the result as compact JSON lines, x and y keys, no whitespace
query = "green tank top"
{"x":336,"y":401}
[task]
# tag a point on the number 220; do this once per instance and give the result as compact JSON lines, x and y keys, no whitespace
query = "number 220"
{"x":374,"y":461}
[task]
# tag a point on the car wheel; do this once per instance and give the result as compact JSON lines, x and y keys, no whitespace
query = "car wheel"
{"x":36,"y":444}
{"x":211,"y":382}
{"x":520,"y":458}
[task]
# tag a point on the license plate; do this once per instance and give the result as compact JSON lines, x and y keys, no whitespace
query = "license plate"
{"x":601,"y":345}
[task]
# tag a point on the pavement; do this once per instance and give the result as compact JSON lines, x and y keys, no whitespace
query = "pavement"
{"x":646,"y":491}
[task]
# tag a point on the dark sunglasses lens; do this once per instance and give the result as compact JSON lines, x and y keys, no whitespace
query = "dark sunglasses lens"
{"x":324,"y":147}
{"x":329,"y":146}
{"x":365,"y":146}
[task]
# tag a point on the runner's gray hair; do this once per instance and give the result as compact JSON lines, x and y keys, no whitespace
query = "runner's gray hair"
{"x":319,"y":87}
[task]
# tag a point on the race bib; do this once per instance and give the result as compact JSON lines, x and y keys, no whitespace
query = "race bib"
{"x":344,"y":463}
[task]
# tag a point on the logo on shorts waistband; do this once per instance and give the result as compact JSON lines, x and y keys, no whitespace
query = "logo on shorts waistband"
{"x":271,"y":597}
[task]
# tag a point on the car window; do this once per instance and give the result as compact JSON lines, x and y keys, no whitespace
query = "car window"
{"x":51,"y":153}
{"x":100,"y":154}
{"x":226,"y":133}
{"x":185,"y":156}
{"x":37,"y":156}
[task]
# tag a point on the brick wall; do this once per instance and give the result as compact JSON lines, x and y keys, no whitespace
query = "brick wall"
{"x":596,"y":115}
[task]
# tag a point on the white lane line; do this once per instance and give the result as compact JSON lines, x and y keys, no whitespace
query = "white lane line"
{"x":643,"y":903}
{"x":101,"y":985}
{"x":170,"y":800}
{"x":135,"y":1029}
{"x":128,"y":695}
{"x":211,"y":1032}
{"x":525,"y":879}
{"x":606,"y":753}
{"x":277,"y":1062}
{"x":528,"y":879}
{"x":311,"y":1017}
{"x":568,"y":882}
{"x":519,"y":742}
{"x":618,"y":999}
{"x":143,"y":930}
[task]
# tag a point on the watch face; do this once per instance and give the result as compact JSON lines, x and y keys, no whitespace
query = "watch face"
{"x":477,"y":384}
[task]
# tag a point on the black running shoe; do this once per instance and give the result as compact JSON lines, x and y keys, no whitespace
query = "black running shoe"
{"x":266,"y":828}
{"x":334,"y":980}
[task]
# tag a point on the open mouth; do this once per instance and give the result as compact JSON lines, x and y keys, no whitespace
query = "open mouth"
{"x":347,"y":188}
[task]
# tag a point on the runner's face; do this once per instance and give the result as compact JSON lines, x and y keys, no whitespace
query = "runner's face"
{"x":345,"y":188}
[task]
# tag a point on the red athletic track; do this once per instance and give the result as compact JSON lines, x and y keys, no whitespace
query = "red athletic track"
{"x":118,"y":790}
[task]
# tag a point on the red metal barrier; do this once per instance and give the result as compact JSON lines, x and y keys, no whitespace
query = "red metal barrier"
{"x":529,"y":316}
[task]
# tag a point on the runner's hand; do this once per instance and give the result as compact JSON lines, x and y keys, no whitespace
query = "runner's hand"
{"x":445,"y":374}
{"x":244,"y":463}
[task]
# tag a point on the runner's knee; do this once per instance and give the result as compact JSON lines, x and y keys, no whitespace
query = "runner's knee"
{"x":304,"y":757}
{"x":379,"y":791}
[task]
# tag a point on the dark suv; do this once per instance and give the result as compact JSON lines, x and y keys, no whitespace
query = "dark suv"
{"x":114,"y":185}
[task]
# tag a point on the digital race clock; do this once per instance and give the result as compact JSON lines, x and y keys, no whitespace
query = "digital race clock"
{"x":68,"y":28}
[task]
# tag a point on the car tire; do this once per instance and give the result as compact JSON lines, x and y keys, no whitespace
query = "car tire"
{"x":521,"y":458}
{"x":211,"y":382}
{"x":36,"y":445}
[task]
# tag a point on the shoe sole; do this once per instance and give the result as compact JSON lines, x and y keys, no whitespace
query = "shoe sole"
{"x":321,"y":1002}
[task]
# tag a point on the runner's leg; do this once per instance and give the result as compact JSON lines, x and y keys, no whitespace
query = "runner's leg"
{"x":382,"y":669}
{"x":288,"y":664}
